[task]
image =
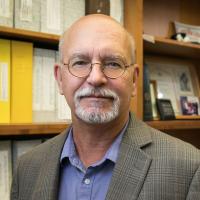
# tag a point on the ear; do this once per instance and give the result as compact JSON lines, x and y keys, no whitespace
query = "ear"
{"x":58,"y":77}
{"x":135,"y":79}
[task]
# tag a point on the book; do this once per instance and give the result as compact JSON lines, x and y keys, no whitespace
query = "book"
{"x":21,"y":82}
{"x":97,"y":6}
{"x":114,"y":8}
{"x":20,"y":147}
{"x":6,"y":13}
{"x":148,"y":115}
{"x":27,"y":14}
{"x":52,"y":16}
{"x":74,"y":9}
{"x":117,"y":10}
{"x":4,"y":81}
{"x":5,"y":169}
{"x":44,"y":97}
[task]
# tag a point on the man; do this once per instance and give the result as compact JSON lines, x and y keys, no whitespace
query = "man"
{"x":106,"y":153}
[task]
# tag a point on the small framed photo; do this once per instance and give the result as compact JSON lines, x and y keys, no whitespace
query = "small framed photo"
{"x":165,"y":109}
{"x":190,"y":105}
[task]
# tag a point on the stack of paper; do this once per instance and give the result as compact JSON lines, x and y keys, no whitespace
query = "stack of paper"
{"x":5,"y":169}
{"x":27,"y":14}
{"x":6,"y":13}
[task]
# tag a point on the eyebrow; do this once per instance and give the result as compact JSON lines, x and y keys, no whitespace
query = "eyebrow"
{"x":102,"y":57}
{"x":79,"y":55}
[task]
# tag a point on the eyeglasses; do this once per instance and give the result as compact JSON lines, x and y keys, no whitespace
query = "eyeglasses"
{"x":111,"y":68}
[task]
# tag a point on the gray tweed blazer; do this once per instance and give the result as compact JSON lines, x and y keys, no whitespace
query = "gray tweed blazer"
{"x":151,"y":166}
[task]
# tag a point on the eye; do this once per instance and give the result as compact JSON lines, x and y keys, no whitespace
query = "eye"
{"x":113,"y":65}
{"x":79,"y":63}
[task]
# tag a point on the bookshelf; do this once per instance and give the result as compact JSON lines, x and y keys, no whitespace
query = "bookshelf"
{"x":140,"y":16}
{"x":155,"y":19}
{"x":39,"y":39}
{"x":169,"y":47}
{"x":27,"y":129}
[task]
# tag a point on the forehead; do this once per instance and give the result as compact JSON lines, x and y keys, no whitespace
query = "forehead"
{"x":96,"y":37}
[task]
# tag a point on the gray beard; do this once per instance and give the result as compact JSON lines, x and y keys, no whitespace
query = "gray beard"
{"x":96,"y":116}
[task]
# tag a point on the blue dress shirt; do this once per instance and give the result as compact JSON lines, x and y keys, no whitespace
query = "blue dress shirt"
{"x":79,"y":183}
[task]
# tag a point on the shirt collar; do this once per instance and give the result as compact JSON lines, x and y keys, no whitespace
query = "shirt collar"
{"x":69,"y":150}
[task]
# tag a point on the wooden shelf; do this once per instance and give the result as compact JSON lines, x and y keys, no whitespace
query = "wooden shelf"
{"x":55,"y":128}
{"x":32,"y":129}
{"x":164,"y":46}
{"x":32,"y":36}
{"x":175,"y":125}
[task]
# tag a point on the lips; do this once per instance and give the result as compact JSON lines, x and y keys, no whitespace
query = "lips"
{"x":96,"y":97}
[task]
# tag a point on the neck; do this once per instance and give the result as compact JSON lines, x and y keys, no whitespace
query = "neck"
{"x":93,"y":140}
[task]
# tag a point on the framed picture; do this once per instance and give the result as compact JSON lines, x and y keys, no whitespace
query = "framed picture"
{"x":190,"y":105}
{"x":153,"y":94}
{"x":163,"y":76}
{"x":165,"y":109}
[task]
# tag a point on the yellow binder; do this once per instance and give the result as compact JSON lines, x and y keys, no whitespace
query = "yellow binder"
{"x":21,"y":82}
{"x":4,"y":81}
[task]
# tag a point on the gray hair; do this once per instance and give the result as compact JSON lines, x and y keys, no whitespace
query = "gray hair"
{"x":130,"y":38}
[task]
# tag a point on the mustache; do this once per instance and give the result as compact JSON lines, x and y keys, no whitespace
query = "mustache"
{"x":92,"y":91}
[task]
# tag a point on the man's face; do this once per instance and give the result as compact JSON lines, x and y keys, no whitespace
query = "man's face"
{"x":96,"y":98}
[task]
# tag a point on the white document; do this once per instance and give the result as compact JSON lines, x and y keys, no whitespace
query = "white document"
{"x":5,"y":169}
{"x":6,"y":13}
{"x":27,"y":14}
{"x":73,"y":10}
{"x":23,"y":146}
{"x":4,"y":81}
{"x":117,"y":10}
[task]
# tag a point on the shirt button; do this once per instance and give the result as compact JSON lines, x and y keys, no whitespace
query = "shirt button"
{"x":87,"y":181}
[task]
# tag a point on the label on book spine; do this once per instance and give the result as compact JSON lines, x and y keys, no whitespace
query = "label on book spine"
{"x":4,"y":8}
{"x":4,"y":81}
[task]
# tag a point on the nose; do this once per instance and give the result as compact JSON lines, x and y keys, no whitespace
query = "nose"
{"x":96,"y":76}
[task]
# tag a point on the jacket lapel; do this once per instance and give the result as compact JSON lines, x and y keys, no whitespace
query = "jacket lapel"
{"x":132,"y":164}
{"x":47,"y":184}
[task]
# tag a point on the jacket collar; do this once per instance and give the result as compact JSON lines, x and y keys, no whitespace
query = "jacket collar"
{"x":132,"y":164}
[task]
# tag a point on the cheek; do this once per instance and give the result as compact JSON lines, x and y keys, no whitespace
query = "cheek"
{"x":124,"y":90}
{"x":69,"y":86}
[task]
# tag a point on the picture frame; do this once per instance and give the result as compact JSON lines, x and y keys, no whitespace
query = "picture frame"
{"x":165,"y":109}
